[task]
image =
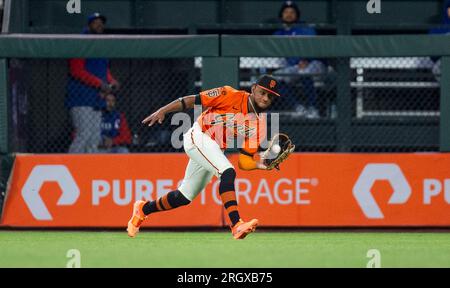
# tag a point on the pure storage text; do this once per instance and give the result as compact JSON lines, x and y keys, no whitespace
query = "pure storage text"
{"x":283,"y":191}
{"x":434,"y":189}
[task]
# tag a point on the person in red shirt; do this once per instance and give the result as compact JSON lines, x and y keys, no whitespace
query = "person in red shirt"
{"x":87,"y":78}
{"x":229,"y":114}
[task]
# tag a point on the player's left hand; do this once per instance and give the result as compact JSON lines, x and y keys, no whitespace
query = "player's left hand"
{"x":158,"y":116}
{"x":273,"y":159}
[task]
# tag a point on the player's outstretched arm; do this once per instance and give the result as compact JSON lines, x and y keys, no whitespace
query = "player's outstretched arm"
{"x":174,"y":106}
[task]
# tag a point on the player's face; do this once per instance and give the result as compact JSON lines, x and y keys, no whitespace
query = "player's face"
{"x":289,"y":15}
{"x":262,"y":98}
{"x":97,"y":26}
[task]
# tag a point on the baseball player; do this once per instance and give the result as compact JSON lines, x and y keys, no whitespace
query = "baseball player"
{"x":228,"y":114}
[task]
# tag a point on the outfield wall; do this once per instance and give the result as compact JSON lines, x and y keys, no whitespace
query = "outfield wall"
{"x":311,"y":190}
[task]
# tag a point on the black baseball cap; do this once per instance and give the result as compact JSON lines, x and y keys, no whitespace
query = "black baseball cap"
{"x":289,"y":4}
{"x":96,"y":15}
{"x":269,"y":83}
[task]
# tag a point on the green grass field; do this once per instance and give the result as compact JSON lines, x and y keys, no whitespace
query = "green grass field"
{"x":217,"y":249}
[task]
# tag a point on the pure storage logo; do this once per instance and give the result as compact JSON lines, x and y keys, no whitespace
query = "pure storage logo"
{"x":49,"y":173}
{"x":377,"y":172}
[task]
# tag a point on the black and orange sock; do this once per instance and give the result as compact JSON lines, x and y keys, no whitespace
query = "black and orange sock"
{"x":228,"y":195}
{"x":171,"y":200}
{"x":230,"y":204}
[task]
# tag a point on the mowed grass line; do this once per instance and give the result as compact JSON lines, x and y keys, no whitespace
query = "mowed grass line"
{"x":218,"y":249}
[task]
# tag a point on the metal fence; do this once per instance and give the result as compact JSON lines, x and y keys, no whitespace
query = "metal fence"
{"x":41,"y":112}
{"x":394,"y":102}
{"x":339,"y":94}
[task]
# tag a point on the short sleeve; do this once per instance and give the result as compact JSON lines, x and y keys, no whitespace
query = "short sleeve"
{"x":216,"y":97}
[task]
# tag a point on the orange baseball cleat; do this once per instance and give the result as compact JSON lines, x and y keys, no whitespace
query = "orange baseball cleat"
{"x":136,"y":219}
{"x":242,"y":229}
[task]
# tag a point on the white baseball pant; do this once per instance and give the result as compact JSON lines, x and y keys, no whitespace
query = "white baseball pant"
{"x":206,"y":160}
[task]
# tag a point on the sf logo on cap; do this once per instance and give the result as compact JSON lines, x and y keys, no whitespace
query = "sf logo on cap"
{"x":272,"y":83}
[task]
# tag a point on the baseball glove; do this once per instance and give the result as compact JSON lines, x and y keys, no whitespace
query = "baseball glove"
{"x":273,"y":158}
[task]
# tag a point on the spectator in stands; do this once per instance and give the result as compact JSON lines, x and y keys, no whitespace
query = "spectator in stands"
{"x":445,"y":25}
{"x":115,"y":133}
{"x":298,"y":69}
{"x":88,"y":77}
{"x":443,"y":29}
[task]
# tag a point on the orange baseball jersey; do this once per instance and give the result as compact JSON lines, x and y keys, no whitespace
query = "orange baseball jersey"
{"x":227,"y":119}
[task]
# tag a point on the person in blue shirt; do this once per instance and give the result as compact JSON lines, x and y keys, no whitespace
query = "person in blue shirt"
{"x":87,"y":78}
{"x":443,"y":29}
{"x":298,"y":69}
{"x":116,"y":135}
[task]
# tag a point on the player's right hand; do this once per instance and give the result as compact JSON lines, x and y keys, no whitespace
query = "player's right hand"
{"x":261,"y":166}
{"x":158,"y":116}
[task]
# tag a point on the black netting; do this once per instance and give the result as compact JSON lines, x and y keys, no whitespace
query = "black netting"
{"x":355,"y":104}
{"x":327,"y":105}
{"x":42,"y":118}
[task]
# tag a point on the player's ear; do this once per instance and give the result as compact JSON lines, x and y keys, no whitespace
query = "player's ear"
{"x":253,"y":88}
